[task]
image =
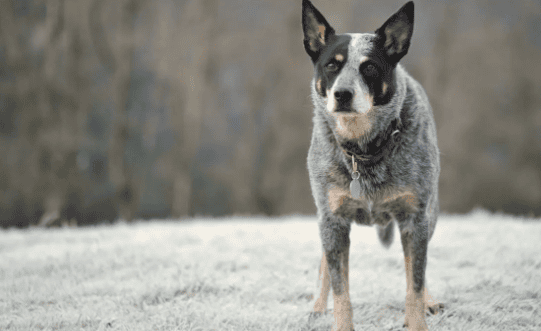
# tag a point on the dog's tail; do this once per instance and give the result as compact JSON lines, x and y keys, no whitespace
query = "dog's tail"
{"x":386,"y":234}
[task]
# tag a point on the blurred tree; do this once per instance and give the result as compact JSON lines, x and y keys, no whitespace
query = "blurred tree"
{"x":118,"y":61}
{"x":46,"y":109}
{"x":481,"y":85}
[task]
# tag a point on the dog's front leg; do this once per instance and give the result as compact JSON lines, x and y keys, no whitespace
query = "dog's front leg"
{"x":335,"y":240}
{"x":414,"y":238}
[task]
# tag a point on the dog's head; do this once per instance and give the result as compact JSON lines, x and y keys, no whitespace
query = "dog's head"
{"x":355,"y":84}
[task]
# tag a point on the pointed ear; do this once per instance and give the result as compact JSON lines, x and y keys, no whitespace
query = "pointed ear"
{"x":317,"y":32}
{"x":394,"y":35}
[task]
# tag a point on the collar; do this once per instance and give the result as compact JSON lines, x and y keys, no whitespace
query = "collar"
{"x":387,"y":141}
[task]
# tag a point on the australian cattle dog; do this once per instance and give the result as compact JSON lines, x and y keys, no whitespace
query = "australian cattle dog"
{"x":373,"y":157}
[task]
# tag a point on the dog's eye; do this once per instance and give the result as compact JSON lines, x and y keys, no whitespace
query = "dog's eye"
{"x":370,"y":71}
{"x":331,"y":66}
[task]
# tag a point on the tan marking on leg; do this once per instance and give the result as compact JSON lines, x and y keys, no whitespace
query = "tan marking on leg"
{"x":410,"y":199}
{"x":343,"y":313}
{"x":415,"y":303}
{"x":352,"y":126}
{"x":337,"y":197}
{"x":417,"y":318}
{"x":409,"y":289}
{"x":325,"y":285}
{"x":339,"y":57}
{"x":401,"y":198}
{"x":384,"y":88}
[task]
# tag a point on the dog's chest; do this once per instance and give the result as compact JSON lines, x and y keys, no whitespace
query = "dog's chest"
{"x":376,"y":208}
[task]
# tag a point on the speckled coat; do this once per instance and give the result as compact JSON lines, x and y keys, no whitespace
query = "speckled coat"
{"x":369,"y":110}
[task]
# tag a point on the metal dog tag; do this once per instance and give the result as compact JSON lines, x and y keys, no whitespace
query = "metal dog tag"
{"x":355,"y":186}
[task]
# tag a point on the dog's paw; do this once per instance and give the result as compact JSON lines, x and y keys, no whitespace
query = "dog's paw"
{"x":435,"y":309}
{"x":431,"y":309}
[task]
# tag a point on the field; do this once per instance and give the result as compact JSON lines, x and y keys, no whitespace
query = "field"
{"x":260,"y":274}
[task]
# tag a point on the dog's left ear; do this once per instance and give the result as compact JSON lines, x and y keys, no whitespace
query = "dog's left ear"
{"x":394,"y":35}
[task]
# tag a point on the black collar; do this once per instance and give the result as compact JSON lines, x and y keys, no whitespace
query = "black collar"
{"x":379,"y":147}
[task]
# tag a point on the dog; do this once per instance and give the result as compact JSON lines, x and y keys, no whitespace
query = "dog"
{"x":373,"y":157}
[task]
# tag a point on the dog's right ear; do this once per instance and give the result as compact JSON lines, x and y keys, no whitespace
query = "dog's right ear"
{"x":317,"y":32}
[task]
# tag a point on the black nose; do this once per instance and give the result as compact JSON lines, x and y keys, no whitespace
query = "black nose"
{"x":343,"y":96}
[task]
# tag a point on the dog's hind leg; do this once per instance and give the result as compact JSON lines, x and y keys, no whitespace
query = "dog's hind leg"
{"x":335,"y":239}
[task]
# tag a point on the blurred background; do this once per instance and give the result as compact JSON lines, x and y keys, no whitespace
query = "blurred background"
{"x":164,"y":109}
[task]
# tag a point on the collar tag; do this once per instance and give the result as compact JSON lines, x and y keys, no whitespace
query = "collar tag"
{"x":355,"y":185}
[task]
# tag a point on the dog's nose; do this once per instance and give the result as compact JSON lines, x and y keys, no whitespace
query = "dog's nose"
{"x":343,"y":96}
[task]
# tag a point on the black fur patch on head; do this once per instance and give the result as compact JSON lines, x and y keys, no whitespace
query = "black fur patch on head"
{"x":330,"y":63}
{"x":381,"y":82}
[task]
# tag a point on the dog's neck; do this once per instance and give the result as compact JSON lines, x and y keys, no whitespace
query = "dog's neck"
{"x":376,"y":149}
